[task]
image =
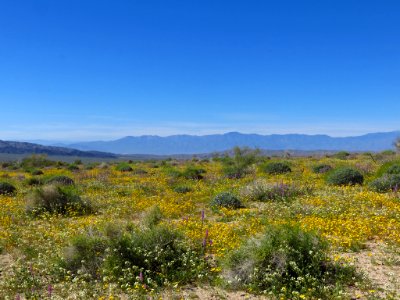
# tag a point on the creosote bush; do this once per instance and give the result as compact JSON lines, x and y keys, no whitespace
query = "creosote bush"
{"x":286,"y":261}
{"x":239,"y":164}
{"x":60,"y":180}
{"x":7,"y":188}
{"x":274,"y":168}
{"x":227,"y":200}
{"x":262,"y":191}
{"x":386,"y":183}
{"x":345,"y":176}
{"x":123,"y":167}
{"x":192,"y":172}
{"x":56,"y":199}
{"x":322,"y":168}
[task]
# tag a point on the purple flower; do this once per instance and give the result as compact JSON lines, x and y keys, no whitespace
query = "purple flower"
{"x":141,"y":276}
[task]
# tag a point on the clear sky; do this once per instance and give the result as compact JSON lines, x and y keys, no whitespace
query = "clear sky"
{"x":87,"y":70}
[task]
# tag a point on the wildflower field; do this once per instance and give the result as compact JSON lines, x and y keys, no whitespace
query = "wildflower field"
{"x":271,"y":228}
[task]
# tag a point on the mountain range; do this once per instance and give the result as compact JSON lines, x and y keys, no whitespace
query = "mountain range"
{"x":192,"y":144}
{"x":10,"y":147}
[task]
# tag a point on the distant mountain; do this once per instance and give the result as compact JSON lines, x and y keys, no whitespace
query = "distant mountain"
{"x":189,"y":144}
{"x":30,"y":148}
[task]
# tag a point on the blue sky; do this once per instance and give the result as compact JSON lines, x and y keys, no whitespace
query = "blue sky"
{"x":87,"y":70}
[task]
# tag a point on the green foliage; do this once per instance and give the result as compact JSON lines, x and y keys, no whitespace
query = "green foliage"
{"x":321,"y":168}
{"x":60,"y":180}
{"x":227,"y":200}
{"x":386,"y":183}
{"x":342,"y":155}
{"x":394,"y":169}
{"x":85,"y":254}
{"x":155,"y":257}
{"x":286,"y":261}
{"x":123,"y":167}
{"x":73,"y":167}
{"x":7,"y":188}
{"x":182,"y":189}
{"x":239,"y":165}
{"x":35,"y":172}
{"x":36,"y":161}
{"x":153,"y":216}
{"x":274,"y":168}
{"x":34,"y":181}
{"x":345,"y":176}
{"x":192,"y":172}
{"x":56,"y":199}
{"x":280,"y":192}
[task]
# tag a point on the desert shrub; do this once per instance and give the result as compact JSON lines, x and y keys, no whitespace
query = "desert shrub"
{"x":239,"y":164}
{"x":192,"y":172}
{"x":155,"y":257}
{"x":73,"y":167}
{"x":7,"y":188}
{"x":78,"y":162}
{"x":321,"y":168}
{"x":34,"y":181}
{"x":394,"y":169}
{"x":341,"y":155}
{"x":286,"y":261}
{"x":262,"y":191}
{"x":227,"y":200}
{"x":56,"y":199}
{"x":182,"y":189}
{"x":153,"y":216}
{"x":386,"y":183}
{"x":345,"y":176}
{"x":123,"y":167}
{"x":36,"y":161}
{"x":138,"y":171}
{"x":85,"y":254}
{"x":35,"y":172}
{"x":60,"y":179}
{"x":273,"y":168}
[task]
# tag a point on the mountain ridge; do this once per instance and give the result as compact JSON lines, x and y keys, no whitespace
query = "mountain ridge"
{"x":194,"y":144}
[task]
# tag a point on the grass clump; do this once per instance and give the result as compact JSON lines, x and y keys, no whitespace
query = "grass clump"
{"x":286,"y":261}
{"x":60,"y":180}
{"x":226,"y":200}
{"x":33,"y":181}
{"x":321,"y":168}
{"x":274,"y":168}
{"x":345,"y":176}
{"x":386,"y":183}
{"x":192,"y":172}
{"x":7,"y":188}
{"x":123,"y":167}
{"x":55,"y":199}
{"x":280,"y":192}
{"x":153,"y":216}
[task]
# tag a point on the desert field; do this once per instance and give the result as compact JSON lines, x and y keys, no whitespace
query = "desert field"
{"x":239,"y":227}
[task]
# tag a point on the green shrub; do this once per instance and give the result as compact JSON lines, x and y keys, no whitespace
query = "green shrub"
{"x":60,"y":179}
{"x":394,"y":169}
{"x":56,"y":199}
{"x":153,"y":216}
{"x":321,"y":168}
{"x":239,"y":165}
{"x":34,"y":181}
{"x":227,"y":200}
{"x":123,"y":167}
{"x":286,"y":261}
{"x":386,"y":183}
{"x":36,"y":172}
{"x":345,"y":176}
{"x":85,"y":254}
{"x":281,"y":192}
{"x":138,"y":171}
{"x":182,"y":189}
{"x":194,"y":173}
{"x":273,"y":168}
{"x":7,"y":188}
{"x":73,"y":167}
{"x":155,"y":257}
{"x":342,"y":155}
{"x":36,"y":161}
